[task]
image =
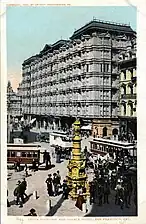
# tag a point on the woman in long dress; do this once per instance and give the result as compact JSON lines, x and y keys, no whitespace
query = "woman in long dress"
{"x":80,"y":201}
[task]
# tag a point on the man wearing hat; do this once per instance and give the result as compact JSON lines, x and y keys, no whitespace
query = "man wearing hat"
{"x":55,"y":183}
{"x":113,"y":179}
{"x":18,"y":193}
{"x":65,"y":189}
{"x":32,"y":212}
{"x":117,"y":189}
{"x":49,"y":185}
{"x":106,"y":191}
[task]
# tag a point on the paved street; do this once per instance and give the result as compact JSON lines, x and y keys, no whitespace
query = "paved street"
{"x":60,"y":207}
{"x":37,"y":182}
{"x":111,"y":209}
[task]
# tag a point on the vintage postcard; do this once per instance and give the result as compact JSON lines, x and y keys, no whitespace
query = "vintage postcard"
{"x":72,"y":105}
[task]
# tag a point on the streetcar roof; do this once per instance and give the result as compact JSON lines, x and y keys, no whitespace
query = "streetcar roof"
{"x":112,"y":142}
{"x":23,"y":147}
{"x":59,"y":135}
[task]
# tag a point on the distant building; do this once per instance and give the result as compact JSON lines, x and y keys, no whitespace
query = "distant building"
{"x":77,"y":78}
{"x":128,"y":92}
{"x":14,"y":102}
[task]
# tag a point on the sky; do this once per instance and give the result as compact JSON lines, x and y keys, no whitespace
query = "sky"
{"x":29,"y":28}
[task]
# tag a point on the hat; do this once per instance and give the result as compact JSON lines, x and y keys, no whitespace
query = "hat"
{"x":19,"y":182}
{"x":32,"y":210}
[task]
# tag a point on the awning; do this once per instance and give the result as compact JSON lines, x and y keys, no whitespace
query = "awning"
{"x":87,"y":127}
{"x":33,"y":120}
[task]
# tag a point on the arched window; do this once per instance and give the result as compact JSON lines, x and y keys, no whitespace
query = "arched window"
{"x":96,"y":130}
{"x":124,"y":90}
{"x":124,"y":109}
{"x":115,"y":131}
{"x":131,"y":111}
{"x":104,"y":131}
{"x":131,"y":88}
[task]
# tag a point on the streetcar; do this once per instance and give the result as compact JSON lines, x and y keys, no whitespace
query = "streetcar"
{"x":103,"y":146}
{"x":61,"y":139}
{"x":23,"y":153}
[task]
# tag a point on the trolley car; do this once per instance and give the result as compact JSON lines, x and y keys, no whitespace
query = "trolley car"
{"x":24,"y":153}
{"x":103,"y":146}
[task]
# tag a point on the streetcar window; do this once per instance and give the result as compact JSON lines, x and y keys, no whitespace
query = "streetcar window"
{"x":13,"y":154}
{"x":8,"y":154}
{"x":23,"y":154}
{"x":18,"y":153}
{"x":29,"y":154}
{"x":34,"y":154}
{"x":110,"y":149}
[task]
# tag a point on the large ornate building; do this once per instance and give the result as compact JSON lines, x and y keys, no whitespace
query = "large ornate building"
{"x":77,"y":78}
{"x":14,"y":102}
{"x":128,"y":93}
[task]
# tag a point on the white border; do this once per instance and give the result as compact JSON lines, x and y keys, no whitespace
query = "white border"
{"x":141,"y":74}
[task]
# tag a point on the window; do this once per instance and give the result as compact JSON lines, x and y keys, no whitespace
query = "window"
{"x":131,"y":111}
{"x":87,"y":68}
{"x":124,"y":109}
{"x":131,"y":89}
{"x":104,"y":131}
{"x":105,"y":67}
{"x":23,"y":154}
{"x":8,"y":154}
{"x":13,"y":154}
{"x":35,"y":154}
{"x":29,"y":154}
{"x":124,"y":90}
{"x":101,"y":67}
{"x":18,"y":153}
{"x":124,"y":74}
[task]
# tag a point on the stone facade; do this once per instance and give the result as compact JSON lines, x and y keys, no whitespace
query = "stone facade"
{"x":128,"y":92}
{"x":76,"y":77}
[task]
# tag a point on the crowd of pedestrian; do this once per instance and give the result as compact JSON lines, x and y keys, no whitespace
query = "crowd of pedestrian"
{"x":62,"y":153}
{"x":113,"y":179}
{"x":54,"y":185}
